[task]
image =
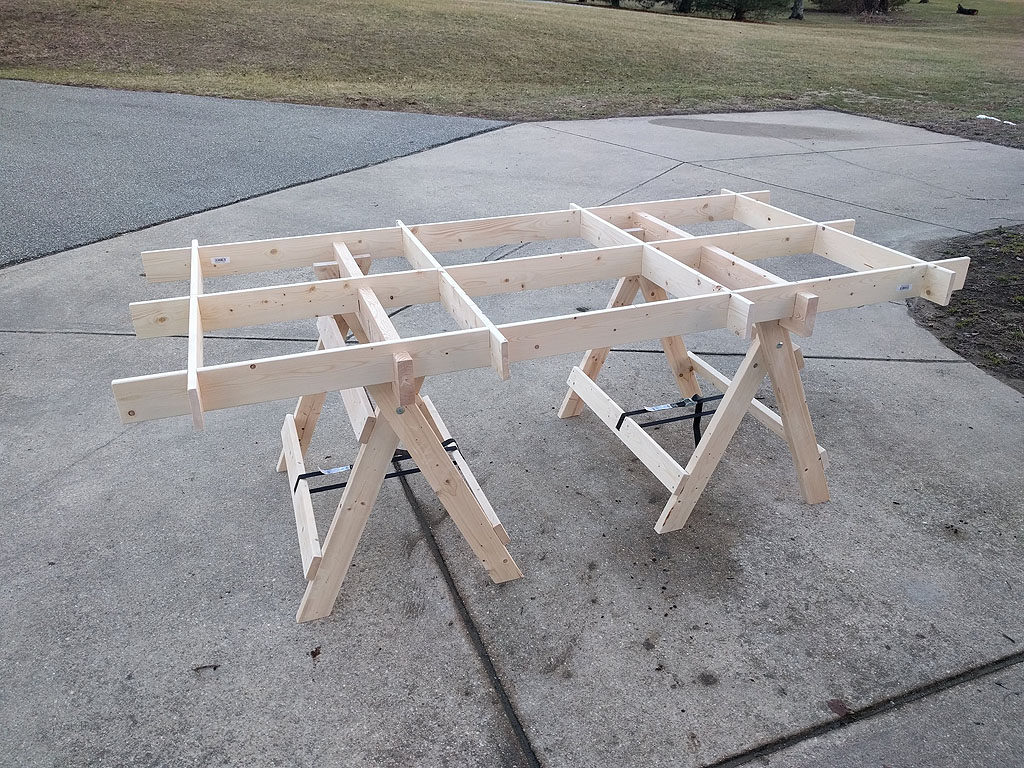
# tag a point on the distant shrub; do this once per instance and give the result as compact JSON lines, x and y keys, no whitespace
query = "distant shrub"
{"x":740,"y":10}
{"x":858,"y":6}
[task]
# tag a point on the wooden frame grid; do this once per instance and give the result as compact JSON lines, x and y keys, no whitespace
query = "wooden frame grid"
{"x":688,"y":284}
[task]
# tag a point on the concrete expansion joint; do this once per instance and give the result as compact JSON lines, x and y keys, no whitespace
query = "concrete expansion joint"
{"x":881,"y":707}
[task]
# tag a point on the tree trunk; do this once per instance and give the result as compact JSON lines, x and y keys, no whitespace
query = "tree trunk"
{"x":797,"y":12}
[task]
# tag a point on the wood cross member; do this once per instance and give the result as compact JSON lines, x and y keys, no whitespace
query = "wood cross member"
{"x":688,"y":284}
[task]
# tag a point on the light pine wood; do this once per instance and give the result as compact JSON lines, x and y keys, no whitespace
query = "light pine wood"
{"x":268,"y":255}
{"x":357,"y":500}
{"x":163,"y":395}
{"x":644,"y":246}
{"x":531,"y":273}
{"x":728,"y":414}
{"x":195,"y":339}
{"x":758,"y":410}
{"x":676,"y":277}
{"x":438,"y":425}
{"x":679,"y":212}
{"x":779,"y":359}
{"x":856,"y":252}
{"x":305,"y":522}
{"x":805,"y":310}
{"x":623,"y":325}
{"x":280,"y":303}
{"x":256,"y":306}
{"x":360,"y":412}
{"x":416,"y":434}
{"x":760,"y":214}
{"x":594,"y":359}
{"x":776,"y":302}
{"x":732,"y":271}
{"x":656,"y":229}
{"x":498,"y":230}
{"x":643,"y":446}
{"x":675,"y":348}
{"x":307,"y":412}
{"x":404,"y":386}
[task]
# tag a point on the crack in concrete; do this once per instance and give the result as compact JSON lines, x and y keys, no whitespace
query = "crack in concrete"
{"x":705,"y":164}
{"x":472,"y":630}
{"x":837,"y":200}
{"x":869,"y":712}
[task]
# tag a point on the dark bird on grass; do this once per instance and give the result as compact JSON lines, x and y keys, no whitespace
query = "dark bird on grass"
{"x":966,"y":11}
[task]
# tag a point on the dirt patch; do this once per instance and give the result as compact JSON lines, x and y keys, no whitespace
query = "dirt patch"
{"x":977,"y":130}
{"x":984,"y":322}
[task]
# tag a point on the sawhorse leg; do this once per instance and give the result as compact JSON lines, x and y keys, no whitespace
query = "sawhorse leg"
{"x":412,"y":428}
{"x":675,"y":349}
{"x":770,"y":354}
{"x":777,"y":346}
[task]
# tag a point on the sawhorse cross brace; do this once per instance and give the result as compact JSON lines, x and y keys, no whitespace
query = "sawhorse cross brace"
{"x":687,"y":283}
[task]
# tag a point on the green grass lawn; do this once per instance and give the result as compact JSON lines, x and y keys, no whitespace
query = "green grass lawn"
{"x":525,"y":60}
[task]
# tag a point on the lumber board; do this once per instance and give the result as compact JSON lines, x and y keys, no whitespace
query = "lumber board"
{"x":854,"y":289}
{"x":760,"y":214}
{"x":856,"y":253}
{"x":306,"y":414}
{"x":372,"y":462}
{"x":750,"y":245}
{"x":416,"y":434}
{"x":732,"y":271}
{"x":497,"y":230}
{"x":657,"y":229}
{"x":632,"y":435}
{"x":241,"y":258}
{"x":195,"y":339}
{"x":679,"y":212}
{"x":805,"y":310}
{"x":758,"y":410}
{"x":530,"y":273}
{"x":593,"y":359}
{"x":278,"y":303}
{"x":263,"y":380}
{"x":295,"y":301}
{"x":432,"y":414}
{"x":531,"y":339}
{"x":709,"y":451}
{"x":779,"y":359}
{"x":675,"y":276}
{"x":222,"y":386}
{"x":674,"y":347}
{"x":305,"y":522}
{"x":416,"y":253}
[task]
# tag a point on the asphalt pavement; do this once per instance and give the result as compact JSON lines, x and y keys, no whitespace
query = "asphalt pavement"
{"x":84,"y":164}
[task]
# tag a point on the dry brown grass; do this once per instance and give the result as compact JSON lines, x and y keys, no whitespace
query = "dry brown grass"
{"x":525,"y":60}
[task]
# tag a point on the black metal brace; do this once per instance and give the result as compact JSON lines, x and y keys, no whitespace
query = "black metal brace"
{"x":698,"y":413}
{"x":400,"y":455}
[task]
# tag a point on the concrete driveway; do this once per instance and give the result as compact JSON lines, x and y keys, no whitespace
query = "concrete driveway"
{"x":150,"y":574}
